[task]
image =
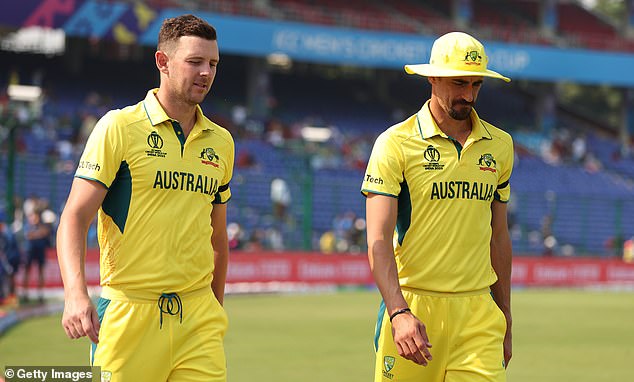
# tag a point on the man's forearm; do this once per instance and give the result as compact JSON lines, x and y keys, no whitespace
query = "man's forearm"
{"x":501,"y":260}
{"x":385,"y":275}
{"x":221,"y":261}
{"x":71,"y":251}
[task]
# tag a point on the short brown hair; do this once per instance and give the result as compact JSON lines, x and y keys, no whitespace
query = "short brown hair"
{"x":185,"y":25}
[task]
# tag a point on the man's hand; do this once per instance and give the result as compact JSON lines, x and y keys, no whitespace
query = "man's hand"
{"x":410,"y":337}
{"x":80,"y":318}
{"x":508,"y":343}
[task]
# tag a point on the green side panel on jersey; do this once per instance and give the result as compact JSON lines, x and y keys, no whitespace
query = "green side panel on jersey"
{"x":379,"y":323}
{"x":102,"y":305}
{"x":404,"y":216}
{"x":116,"y":204}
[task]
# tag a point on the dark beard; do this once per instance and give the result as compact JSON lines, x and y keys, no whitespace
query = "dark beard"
{"x":463,"y":113}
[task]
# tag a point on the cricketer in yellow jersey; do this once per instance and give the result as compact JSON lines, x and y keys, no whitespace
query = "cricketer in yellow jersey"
{"x":157,"y":173}
{"x":438,"y":243}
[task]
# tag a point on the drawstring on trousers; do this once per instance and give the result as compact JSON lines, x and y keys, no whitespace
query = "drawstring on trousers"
{"x":170,"y":303}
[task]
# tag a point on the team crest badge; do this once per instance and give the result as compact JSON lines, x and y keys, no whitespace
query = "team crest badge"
{"x":106,"y":376}
{"x":388,"y":363}
{"x":487,"y":162}
{"x":208,"y":156}
{"x":472,"y":58}
{"x":208,"y":153}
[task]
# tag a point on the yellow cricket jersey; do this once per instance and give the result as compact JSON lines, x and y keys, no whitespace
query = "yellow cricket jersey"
{"x":444,"y":191}
{"x":154,"y":225}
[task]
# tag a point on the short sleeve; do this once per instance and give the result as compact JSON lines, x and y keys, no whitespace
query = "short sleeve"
{"x":503,"y":192}
{"x":384,"y":173}
{"x":103,"y":153}
{"x":224,"y":191}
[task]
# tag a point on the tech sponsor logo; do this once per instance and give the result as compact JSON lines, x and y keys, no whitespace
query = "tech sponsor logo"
{"x":208,"y":156}
{"x":371,"y":179}
{"x":432,"y":156}
{"x":155,"y":142}
{"x":185,"y":181}
{"x":88,"y":165}
{"x":487,"y":163}
{"x":388,"y":365}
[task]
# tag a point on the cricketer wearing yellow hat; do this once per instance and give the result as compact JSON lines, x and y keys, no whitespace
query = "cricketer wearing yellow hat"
{"x":438,"y":244}
{"x":456,"y":54}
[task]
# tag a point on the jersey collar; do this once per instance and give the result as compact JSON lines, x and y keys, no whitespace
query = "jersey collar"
{"x":157,"y":115}
{"x":428,"y":128}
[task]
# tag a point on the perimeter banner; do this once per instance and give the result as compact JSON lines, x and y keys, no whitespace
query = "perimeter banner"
{"x":353,"y":269}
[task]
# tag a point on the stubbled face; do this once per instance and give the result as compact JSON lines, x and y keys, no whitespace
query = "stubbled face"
{"x":191,"y":68}
{"x":456,"y":95}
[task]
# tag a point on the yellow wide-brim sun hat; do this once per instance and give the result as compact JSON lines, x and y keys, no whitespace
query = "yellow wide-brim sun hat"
{"x":456,"y":54}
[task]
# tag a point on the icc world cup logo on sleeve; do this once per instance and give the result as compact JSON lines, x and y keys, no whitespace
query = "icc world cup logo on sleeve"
{"x":155,"y":142}
{"x":432,"y":156}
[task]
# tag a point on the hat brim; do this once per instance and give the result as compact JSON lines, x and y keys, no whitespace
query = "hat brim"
{"x":429,"y":70}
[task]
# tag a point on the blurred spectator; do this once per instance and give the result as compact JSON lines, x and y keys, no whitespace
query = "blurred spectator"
{"x":29,"y":205}
{"x":236,"y":236}
{"x":614,"y":245}
{"x":4,"y":99}
{"x":327,"y":242}
{"x":48,"y":216}
{"x":579,"y":149}
{"x":547,"y":234}
{"x":275,"y":134}
{"x":87,"y":125}
{"x":274,"y":239}
{"x":281,"y":198}
{"x":591,"y":163}
{"x":549,"y":153}
{"x":357,"y":236}
{"x":239,"y":115}
{"x":349,"y":232}
{"x":18,"y":215}
{"x":245,"y":159}
{"x":10,"y":259}
{"x":628,"y":250}
{"x":38,"y":236}
{"x":325,"y":157}
{"x":256,"y":241}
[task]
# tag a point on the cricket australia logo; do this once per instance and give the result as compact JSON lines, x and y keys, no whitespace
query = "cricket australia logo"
{"x":155,"y":142}
{"x":432,"y":156}
{"x":388,"y":365}
{"x":487,"y":163}
{"x":209,"y":157}
{"x":473,"y":58}
{"x":106,"y":376}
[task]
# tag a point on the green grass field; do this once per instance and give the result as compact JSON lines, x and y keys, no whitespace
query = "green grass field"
{"x":559,"y":336}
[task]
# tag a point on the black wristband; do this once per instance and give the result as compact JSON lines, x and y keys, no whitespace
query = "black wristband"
{"x":400,"y":311}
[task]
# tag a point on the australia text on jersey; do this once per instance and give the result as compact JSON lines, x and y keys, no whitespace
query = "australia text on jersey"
{"x":185,"y":181}
{"x":461,"y":189}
